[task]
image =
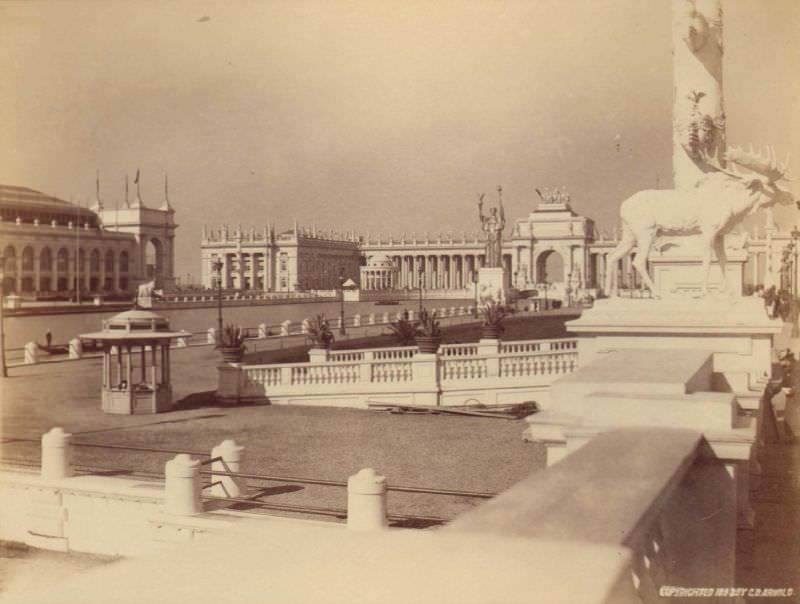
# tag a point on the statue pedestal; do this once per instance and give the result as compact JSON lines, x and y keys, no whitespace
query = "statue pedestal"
{"x":736,"y":330}
{"x":492,"y":286}
{"x":678,"y":274}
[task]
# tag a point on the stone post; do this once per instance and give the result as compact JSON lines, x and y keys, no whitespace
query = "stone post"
{"x":371,"y":318}
{"x":285,"y":327}
{"x":357,"y":320}
{"x":425,"y":378}
{"x":182,"y":486}
{"x":56,"y":455}
{"x":366,"y":501}
{"x":262,"y":330}
{"x":31,"y":353}
{"x":317,"y":355}
{"x":228,"y":383}
{"x":211,"y":337}
{"x":231,"y":461}
{"x":385,"y":317}
{"x":304,"y":326}
{"x":490,"y":350}
{"x":75,"y":348}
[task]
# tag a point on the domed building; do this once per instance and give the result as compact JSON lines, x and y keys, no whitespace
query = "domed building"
{"x":379,"y":273}
{"x":54,"y":249}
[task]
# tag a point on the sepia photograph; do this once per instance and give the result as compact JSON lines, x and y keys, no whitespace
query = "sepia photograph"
{"x":388,"y":302}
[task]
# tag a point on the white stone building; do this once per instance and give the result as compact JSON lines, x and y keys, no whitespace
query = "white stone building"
{"x":52,"y":247}
{"x":552,"y":248}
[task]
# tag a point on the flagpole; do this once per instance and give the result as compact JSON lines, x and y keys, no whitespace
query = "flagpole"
{"x":77,"y":252}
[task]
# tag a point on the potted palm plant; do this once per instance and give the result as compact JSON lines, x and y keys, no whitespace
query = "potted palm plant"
{"x":430,"y":334}
{"x":319,"y":332}
{"x":405,"y":331}
{"x":492,"y":315}
{"x":232,"y":343}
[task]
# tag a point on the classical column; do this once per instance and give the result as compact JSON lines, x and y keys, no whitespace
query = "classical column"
{"x":240,"y":268}
{"x":698,"y":118}
{"x":36,"y":272}
{"x":253,"y":270}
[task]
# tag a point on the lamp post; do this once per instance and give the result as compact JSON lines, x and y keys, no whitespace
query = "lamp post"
{"x":216,"y":265}
{"x":795,"y":241}
{"x":421,"y":281}
{"x":342,"y":330}
{"x":3,"y":369}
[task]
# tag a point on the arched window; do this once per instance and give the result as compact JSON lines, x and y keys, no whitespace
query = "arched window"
{"x":27,"y":259}
{"x":94,"y":261}
{"x":62,"y":260}
{"x":123,"y":262}
{"x":10,"y":255}
{"x":109,"y":261}
{"x":46,"y":259}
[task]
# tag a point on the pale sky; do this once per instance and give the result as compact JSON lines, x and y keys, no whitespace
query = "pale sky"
{"x":369,"y":115}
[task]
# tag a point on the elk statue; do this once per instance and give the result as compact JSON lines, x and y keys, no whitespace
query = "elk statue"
{"x":718,"y":202}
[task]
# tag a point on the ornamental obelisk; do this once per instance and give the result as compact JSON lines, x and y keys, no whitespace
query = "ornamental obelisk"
{"x":698,"y":117}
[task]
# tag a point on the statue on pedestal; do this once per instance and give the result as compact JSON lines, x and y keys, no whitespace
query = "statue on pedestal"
{"x":493,"y":226}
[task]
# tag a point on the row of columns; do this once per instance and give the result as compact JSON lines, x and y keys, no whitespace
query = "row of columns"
{"x":47,"y":279}
{"x":451,"y":271}
{"x":118,"y":366}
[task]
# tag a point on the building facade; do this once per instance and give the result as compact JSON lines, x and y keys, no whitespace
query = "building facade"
{"x":552,"y":249}
{"x":54,"y":248}
{"x":300,"y":259}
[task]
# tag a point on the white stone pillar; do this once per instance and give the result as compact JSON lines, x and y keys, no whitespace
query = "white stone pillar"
{"x":262,"y":330}
{"x":698,"y":116}
{"x":366,"y":501}
{"x":211,"y":335}
{"x":75,"y":348}
{"x":182,"y":486}
{"x":231,"y":461}
{"x":31,"y":353}
{"x":56,"y":455}
{"x":285,"y":327}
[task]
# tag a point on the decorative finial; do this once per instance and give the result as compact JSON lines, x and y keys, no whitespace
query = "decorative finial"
{"x":166,"y":206}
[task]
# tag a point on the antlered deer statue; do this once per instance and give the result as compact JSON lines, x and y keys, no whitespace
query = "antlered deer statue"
{"x":719,"y":201}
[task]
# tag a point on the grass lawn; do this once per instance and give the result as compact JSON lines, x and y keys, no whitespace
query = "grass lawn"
{"x":437,"y":451}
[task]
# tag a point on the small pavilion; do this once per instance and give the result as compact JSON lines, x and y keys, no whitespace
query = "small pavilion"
{"x":136,"y":362}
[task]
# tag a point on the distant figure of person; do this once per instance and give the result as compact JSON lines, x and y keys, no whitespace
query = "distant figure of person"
{"x":48,"y":338}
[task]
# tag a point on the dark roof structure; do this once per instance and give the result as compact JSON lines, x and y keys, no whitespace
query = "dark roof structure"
{"x":29,"y":204}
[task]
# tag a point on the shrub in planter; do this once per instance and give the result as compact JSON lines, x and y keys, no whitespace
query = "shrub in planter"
{"x":319,"y":332}
{"x":232,"y":343}
{"x":430,"y":334}
{"x":492,"y":315}
{"x":405,"y":331}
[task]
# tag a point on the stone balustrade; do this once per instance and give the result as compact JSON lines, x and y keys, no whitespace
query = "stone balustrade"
{"x":459,"y":374}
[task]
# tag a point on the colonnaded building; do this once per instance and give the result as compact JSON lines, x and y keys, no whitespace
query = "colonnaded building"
{"x":552,"y":249}
{"x":53,"y":247}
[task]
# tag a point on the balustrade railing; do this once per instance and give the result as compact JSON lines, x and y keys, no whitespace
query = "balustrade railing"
{"x":372,"y":372}
{"x":458,"y":350}
{"x":464,"y":368}
{"x":392,"y":372}
{"x":538,"y":364}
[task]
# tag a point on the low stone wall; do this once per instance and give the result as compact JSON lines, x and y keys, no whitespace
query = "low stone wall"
{"x":487,"y":373}
{"x":627,"y":516}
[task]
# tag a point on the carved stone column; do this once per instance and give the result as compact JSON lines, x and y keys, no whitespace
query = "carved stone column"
{"x":698,"y":117}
